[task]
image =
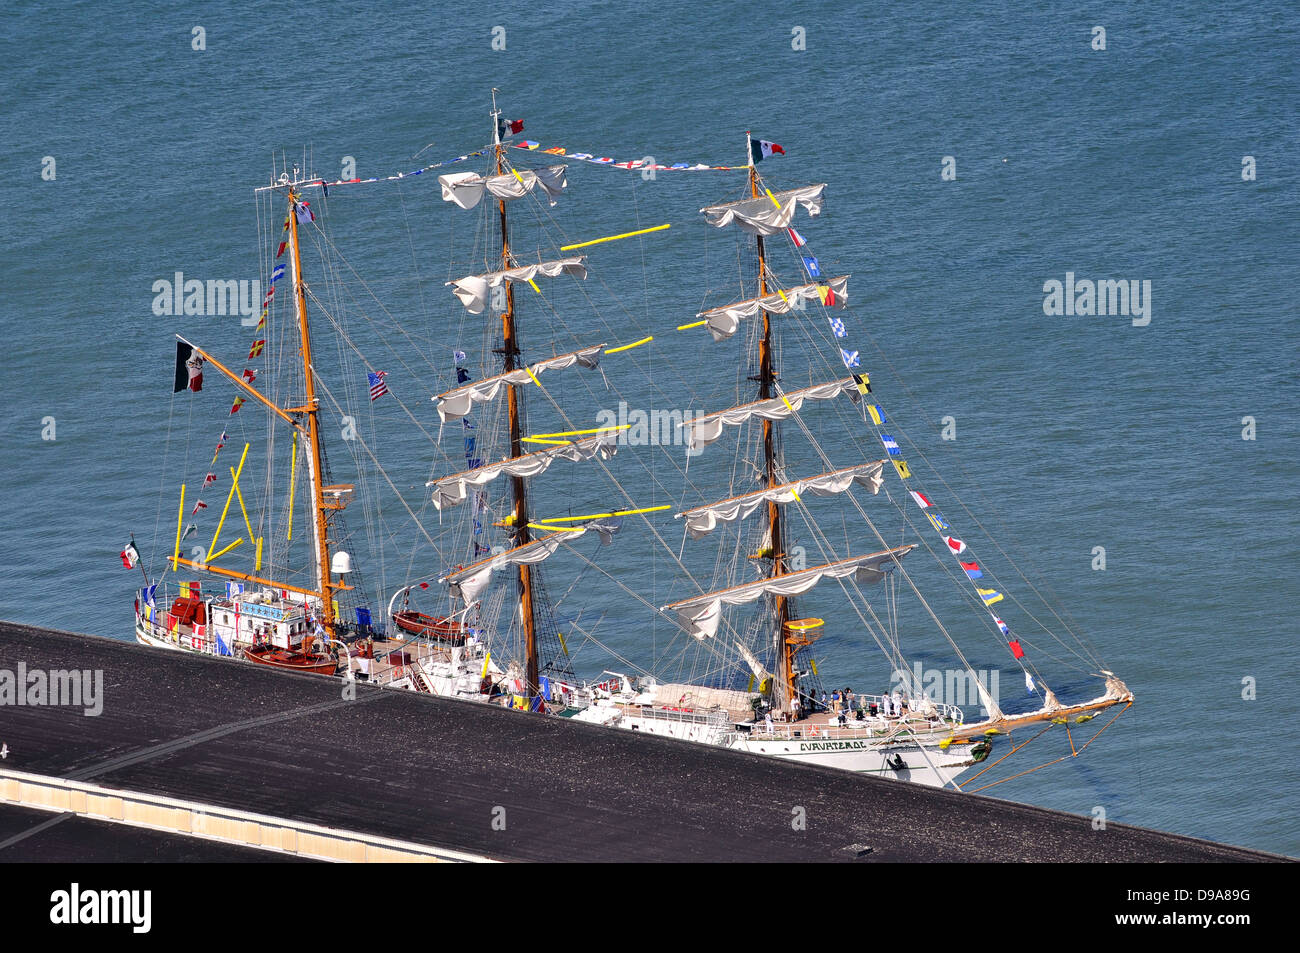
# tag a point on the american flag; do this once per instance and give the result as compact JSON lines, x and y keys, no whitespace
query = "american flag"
{"x":377,"y":386}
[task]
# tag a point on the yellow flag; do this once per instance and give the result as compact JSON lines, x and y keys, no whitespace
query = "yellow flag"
{"x":875,"y":415}
{"x":901,"y":467}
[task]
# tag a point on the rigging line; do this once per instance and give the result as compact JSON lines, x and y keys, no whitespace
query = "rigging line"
{"x":589,"y":637}
{"x":662,"y":448}
{"x":586,"y":384}
{"x":898,"y":564}
{"x":375,"y":460}
{"x":331,"y":284}
{"x":343,"y":335}
{"x":539,"y":211}
{"x":897,"y":656}
{"x":802,"y":326}
{"x":382,"y":328}
{"x":965,"y":508}
{"x":627,"y":496}
{"x":395,"y":323}
{"x":410,"y":240}
{"x":1094,"y":660}
{"x":970,"y":599}
{"x":635,"y":595}
{"x":162,"y":485}
{"x":567,"y":592}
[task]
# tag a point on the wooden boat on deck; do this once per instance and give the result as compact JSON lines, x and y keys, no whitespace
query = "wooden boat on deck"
{"x":293,"y":660}
{"x":431,"y":627}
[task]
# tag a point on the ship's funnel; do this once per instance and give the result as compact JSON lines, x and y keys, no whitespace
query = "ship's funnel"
{"x":341,"y":563}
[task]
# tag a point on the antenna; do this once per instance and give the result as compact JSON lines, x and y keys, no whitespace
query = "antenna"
{"x":496,"y":119}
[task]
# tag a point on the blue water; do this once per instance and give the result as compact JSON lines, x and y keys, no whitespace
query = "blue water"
{"x":1072,"y":432}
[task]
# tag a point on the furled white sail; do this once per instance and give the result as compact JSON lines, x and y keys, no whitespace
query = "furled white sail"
{"x":456,"y":403}
{"x":755,"y":666}
{"x":702,"y":520}
{"x":466,"y":188}
{"x":469,"y":582}
{"x":702,"y":614}
{"x":703,"y":431}
{"x":723,"y":322}
{"x":454,"y":489}
{"x":760,"y":216}
{"x":472,"y":290}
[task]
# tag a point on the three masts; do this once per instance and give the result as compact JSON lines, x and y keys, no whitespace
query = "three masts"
{"x":311,"y":620}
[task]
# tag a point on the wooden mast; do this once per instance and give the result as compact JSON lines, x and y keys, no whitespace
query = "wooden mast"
{"x":767,"y":390}
{"x":510,"y":348}
{"x":310,"y":408}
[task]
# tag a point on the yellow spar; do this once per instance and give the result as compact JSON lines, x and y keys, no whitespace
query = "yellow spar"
{"x":614,"y":238}
{"x":229,"y":499}
{"x":597,"y":516}
{"x":628,"y":347}
{"x":180,"y":517}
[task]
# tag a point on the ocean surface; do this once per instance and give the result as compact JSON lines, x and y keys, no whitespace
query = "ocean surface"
{"x":1072,"y":431}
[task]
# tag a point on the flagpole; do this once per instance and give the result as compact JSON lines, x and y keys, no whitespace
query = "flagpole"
{"x":786,"y":648}
{"x":141,"y":562}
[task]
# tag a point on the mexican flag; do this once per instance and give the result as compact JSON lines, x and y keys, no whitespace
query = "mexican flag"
{"x":189,"y":368}
{"x":130,"y":556}
{"x":760,"y":149}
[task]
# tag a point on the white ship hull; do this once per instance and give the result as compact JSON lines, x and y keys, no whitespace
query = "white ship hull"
{"x":145,"y":635}
{"x":854,"y":748}
{"x":923,"y":764}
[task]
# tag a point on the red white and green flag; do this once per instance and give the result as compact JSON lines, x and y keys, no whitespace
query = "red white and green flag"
{"x":761,"y":149}
{"x":130,"y":556}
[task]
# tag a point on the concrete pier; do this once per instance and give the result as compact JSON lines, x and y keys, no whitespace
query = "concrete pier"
{"x":180,"y":732}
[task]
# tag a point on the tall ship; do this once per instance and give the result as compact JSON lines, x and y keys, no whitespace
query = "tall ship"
{"x":721,"y":494}
{"x":282,"y":617}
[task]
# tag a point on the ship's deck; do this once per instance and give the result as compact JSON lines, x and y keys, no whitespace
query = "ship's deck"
{"x":439,"y":772}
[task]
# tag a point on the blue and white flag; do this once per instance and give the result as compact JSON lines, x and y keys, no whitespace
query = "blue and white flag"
{"x":890,"y":444}
{"x":278,"y":273}
{"x":838,"y":327}
{"x":810,"y":263}
{"x":1029,"y":682}
{"x":850,"y":358}
{"x":233,"y":589}
{"x":458,"y":356}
